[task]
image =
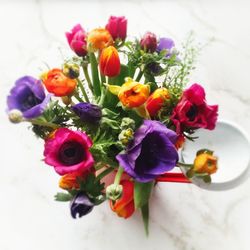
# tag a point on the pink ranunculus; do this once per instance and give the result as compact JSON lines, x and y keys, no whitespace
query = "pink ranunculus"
{"x":77,"y":40}
{"x":192,"y":111}
{"x":68,"y":151}
{"x":149,"y":42}
{"x":117,"y":27}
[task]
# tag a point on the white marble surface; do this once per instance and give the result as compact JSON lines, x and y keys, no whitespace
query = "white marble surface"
{"x":182,"y":216}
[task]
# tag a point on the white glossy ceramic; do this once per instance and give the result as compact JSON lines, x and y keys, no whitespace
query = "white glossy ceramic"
{"x":232,"y":147}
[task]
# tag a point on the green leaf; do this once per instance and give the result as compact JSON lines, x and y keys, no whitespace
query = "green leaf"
{"x":63,"y":197}
{"x":95,"y":74}
{"x":111,"y":100}
{"x":207,"y":179}
{"x":142,"y":193}
{"x":145,"y":217}
{"x":119,"y":80}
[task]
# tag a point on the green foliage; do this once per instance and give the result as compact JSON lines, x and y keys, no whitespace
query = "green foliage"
{"x":63,"y":197}
{"x":53,"y":117}
{"x":145,"y":217}
{"x":105,"y":148}
{"x":142,"y":193}
{"x":92,"y":187}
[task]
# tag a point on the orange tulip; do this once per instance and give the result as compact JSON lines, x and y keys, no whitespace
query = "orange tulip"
{"x":124,"y":206}
{"x":110,"y":62}
{"x":156,"y":101}
{"x":205,"y":163}
{"x":57,"y":83}
{"x":131,"y":94}
{"x":99,"y":39}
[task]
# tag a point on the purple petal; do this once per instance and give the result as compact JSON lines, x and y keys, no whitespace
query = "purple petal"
{"x":38,"y":109}
{"x":165,"y":43}
{"x":151,"y":153}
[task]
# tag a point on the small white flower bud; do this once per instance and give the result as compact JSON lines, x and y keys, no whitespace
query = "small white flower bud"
{"x":15,"y":116}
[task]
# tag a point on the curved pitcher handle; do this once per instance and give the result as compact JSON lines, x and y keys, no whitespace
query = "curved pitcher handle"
{"x":238,"y":180}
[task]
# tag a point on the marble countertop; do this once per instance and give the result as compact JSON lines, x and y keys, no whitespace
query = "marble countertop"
{"x":183,"y":216}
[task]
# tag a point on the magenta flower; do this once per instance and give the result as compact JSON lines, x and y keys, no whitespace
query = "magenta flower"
{"x":28,"y":96}
{"x":77,"y":40}
{"x":117,"y":27}
{"x":151,"y":153}
{"x":193,"y":112}
{"x":68,"y":151}
{"x":149,"y":42}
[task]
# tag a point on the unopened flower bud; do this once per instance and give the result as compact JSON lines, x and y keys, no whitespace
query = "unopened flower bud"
{"x":71,"y":70}
{"x":149,"y":42}
{"x":81,"y":205}
{"x":66,"y":100}
{"x":127,"y":123}
{"x":126,"y":136}
{"x":114,"y":192}
{"x":15,"y":116}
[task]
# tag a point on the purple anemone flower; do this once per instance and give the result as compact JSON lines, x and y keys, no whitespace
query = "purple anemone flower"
{"x":88,"y":112}
{"x":28,"y":96}
{"x":80,"y":205}
{"x":167,"y":44}
{"x":151,"y":153}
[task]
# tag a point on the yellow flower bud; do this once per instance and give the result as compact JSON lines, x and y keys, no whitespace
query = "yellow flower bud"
{"x":205,"y":163}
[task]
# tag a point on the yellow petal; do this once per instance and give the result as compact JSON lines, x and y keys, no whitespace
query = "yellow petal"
{"x":114,"y":89}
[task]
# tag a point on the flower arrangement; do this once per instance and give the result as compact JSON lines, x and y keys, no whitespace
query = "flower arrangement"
{"x":114,"y":116}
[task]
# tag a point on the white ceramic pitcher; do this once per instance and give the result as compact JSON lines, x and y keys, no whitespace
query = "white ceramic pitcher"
{"x":232,"y":147}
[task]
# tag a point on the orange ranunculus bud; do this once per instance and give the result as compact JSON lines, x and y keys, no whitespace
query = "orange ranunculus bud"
{"x":156,"y":100}
{"x":99,"y":39}
{"x":69,"y":181}
{"x":57,"y":83}
{"x":133,"y":94}
{"x":180,"y":141}
{"x":110,"y":62}
{"x":205,"y":162}
{"x":124,"y":206}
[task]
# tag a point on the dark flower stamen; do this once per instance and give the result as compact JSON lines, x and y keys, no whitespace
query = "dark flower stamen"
{"x":71,"y":153}
{"x":192,"y":112}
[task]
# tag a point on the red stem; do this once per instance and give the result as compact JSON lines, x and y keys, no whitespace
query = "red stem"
{"x":173,"y":177}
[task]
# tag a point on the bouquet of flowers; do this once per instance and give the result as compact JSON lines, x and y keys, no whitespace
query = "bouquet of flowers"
{"x":114,"y":116}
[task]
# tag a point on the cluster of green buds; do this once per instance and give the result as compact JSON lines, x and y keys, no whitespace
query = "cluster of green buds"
{"x":127,"y":126}
{"x":71,"y":70}
{"x":114,"y":192}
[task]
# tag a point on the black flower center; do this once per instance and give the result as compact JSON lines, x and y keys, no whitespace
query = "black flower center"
{"x":192,"y":112}
{"x":71,"y":153}
{"x":152,"y":147}
{"x":30,"y":101}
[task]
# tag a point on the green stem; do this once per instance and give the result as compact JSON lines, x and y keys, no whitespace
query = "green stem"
{"x":103,"y":78}
{"x":83,"y":90}
{"x":118,"y":176}
{"x":102,"y":99}
{"x":138,"y":78}
{"x":180,"y":164}
{"x":76,"y":95}
{"x":86,"y":74}
{"x":44,"y":123}
{"x":95,"y":74}
{"x":104,"y":173}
